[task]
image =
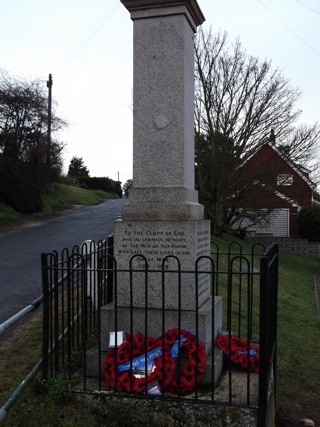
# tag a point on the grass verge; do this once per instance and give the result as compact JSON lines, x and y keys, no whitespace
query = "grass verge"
{"x":7,"y":213}
{"x":62,"y":197}
{"x":65,"y":196}
{"x":49,"y":406}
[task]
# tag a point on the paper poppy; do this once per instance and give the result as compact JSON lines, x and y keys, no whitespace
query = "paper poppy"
{"x":158,"y":342}
{"x":169,"y":339}
{"x":174,"y":384}
{"x":245,"y":346}
{"x":191,"y":345}
{"x":139,"y":339}
{"x":243,"y":360}
{"x":110,"y":378}
{"x":161,"y":364}
{"x":192,"y":339}
{"x":122,"y":349}
{"x":256,"y":364}
{"x":170,"y":364}
{"x":156,"y":375}
{"x":111,"y":352}
{"x":167,"y":353}
{"x":173,"y":332}
{"x":202,"y":357}
{"x":151,"y":344}
{"x":122,"y":358}
{"x":124,"y":381}
{"x":189,"y":368}
{"x":109,"y":365}
{"x":133,"y":348}
{"x":224,"y":343}
{"x":235,"y":353}
{"x":188,"y":381}
{"x":139,"y":385}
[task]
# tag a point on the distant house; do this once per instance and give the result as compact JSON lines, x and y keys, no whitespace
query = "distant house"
{"x":290,"y":188}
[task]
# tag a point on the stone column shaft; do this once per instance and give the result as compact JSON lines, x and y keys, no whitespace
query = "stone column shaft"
{"x":163,"y":110}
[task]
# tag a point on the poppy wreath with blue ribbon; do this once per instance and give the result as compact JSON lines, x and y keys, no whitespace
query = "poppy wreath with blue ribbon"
{"x":137,"y":353}
{"x":240,"y":351}
{"x":194,"y":367}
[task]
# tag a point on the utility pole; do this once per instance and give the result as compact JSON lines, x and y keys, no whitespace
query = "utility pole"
{"x":118,"y":177}
{"x":49,"y":86}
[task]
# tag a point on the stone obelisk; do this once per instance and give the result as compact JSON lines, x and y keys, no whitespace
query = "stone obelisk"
{"x":163,"y":217}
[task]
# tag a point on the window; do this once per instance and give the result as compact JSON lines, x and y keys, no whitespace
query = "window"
{"x":284,"y":179}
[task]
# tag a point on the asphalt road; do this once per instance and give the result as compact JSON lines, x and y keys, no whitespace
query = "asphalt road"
{"x":20,"y":250}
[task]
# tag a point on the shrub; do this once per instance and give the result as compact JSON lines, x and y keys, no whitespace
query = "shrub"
{"x":18,"y":185}
{"x":308,"y":223}
{"x":104,"y":183}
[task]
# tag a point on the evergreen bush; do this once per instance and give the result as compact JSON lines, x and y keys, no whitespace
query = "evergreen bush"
{"x":101,"y":183}
{"x":308,"y":223}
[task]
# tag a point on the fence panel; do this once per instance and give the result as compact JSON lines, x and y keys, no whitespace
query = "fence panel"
{"x":81,"y":286}
{"x":74,"y":287}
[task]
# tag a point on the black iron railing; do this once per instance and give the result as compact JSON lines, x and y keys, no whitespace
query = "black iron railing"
{"x":81,"y":289}
{"x":74,"y":287}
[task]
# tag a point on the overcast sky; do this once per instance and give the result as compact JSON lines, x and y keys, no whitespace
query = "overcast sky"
{"x":87,"y":47}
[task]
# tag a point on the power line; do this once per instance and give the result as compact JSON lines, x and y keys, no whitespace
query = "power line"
{"x":105,"y":18}
{"x":308,"y":7}
{"x":72,"y":89}
{"x":283,"y":23}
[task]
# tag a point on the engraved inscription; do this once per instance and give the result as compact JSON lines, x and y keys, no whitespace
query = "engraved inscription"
{"x":151,"y":246}
{"x":150,"y":242}
{"x":203,"y":242}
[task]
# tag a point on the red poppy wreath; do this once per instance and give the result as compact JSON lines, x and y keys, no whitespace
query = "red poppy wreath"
{"x":240,"y":349}
{"x":123,"y":364}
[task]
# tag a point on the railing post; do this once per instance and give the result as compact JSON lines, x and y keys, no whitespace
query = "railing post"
{"x":110,"y":270}
{"x":263,"y":333}
{"x":89,"y":252}
{"x":274,"y":280}
{"x":45,"y":320}
{"x":55,"y":323}
{"x":268,"y":327}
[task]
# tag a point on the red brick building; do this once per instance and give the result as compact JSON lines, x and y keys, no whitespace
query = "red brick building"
{"x":290,"y":189}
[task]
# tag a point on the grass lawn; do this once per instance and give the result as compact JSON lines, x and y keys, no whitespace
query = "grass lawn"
{"x":298,"y":358}
{"x":298,"y":339}
{"x":298,"y":376}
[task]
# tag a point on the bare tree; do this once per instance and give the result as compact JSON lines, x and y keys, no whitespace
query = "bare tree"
{"x":239,"y":99}
{"x":23,"y":124}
